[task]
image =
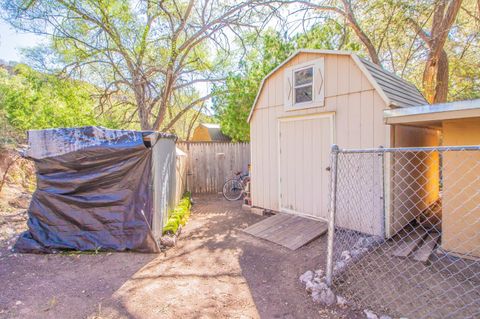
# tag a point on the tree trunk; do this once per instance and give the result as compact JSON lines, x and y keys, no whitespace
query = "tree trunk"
{"x":435,"y":78}
{"x":352,"y":21}
{"x":142,"y":109}
{"x":435,"y":75}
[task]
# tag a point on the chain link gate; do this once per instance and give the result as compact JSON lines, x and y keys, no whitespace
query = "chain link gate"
{"x":404,"y":230}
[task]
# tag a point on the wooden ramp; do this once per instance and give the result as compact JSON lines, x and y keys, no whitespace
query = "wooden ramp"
{"x":411,"y":242}
{"x":291,"y":231}
{"x":419,"y":244}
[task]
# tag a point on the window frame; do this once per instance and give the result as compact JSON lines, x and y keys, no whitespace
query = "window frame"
{"x":299,"y":105}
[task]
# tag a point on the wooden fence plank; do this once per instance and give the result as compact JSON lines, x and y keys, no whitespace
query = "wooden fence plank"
{"x":210,"y":164}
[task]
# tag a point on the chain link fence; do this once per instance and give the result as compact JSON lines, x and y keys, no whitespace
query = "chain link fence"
{"x":404,"y":237}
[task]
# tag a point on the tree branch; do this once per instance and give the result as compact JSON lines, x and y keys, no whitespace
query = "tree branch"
{"x":185,"y":110}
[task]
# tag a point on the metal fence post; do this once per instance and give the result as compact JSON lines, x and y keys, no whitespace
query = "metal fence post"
{"x":331,"y":219}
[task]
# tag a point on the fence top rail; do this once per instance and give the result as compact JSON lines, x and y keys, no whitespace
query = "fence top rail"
{"x":335,"y":149}
{"x":211,"y":142}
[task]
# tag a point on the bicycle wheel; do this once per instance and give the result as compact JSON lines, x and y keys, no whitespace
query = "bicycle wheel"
{"x":232,"y":189}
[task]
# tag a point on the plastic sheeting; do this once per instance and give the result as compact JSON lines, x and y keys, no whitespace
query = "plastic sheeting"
{"x":95,"y":190}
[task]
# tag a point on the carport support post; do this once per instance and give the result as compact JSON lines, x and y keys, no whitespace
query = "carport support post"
{"x":333,"y":206}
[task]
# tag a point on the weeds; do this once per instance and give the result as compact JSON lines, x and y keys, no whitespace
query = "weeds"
{"x":179,"y":215}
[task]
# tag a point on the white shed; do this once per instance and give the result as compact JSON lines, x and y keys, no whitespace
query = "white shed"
{"x":314,"y":99}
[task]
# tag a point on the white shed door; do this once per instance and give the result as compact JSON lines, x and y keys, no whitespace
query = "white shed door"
{"x":304,"y":156}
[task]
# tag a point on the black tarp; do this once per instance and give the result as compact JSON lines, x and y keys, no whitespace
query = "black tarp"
{"x":94,"y":191}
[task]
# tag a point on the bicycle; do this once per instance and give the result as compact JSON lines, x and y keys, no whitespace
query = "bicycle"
{"x":235,"y":188}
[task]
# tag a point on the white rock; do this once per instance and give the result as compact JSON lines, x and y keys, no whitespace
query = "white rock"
{"x":327,"y":297}
{"x":339,"y":265}
{"x":316,"y":296}
{"x":319,"y":273}
{"x":342,"y":302}
{"x":312,"y":286}
{"x":359,"y":243}
{"x":309,"y":286}
{"x":370,"y":314}
{"x":168,"y":241}
{"x":306,"y":277}
{"x":355,"y":252}
{"x":18,"y":303}
{"x":345,"y":254}
{"x":385,"y":317}
{"x":322,"y":285}
{"x":371,"y":240}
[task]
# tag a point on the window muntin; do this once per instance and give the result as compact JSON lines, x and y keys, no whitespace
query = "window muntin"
{"x":303,"y":85}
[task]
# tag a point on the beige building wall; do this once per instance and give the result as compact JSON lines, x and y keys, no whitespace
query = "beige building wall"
{"x":461,"y":185}
{"x":355,"y":105}
{"x":201,"y":134}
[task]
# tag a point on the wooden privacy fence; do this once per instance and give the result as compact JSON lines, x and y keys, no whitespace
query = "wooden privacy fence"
{"x":210,"y":164}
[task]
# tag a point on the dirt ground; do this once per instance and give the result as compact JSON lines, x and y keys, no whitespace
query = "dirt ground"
{"x":215,"y":271}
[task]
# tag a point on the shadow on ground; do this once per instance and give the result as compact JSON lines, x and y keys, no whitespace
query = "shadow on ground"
{"x":62,"y":286}
{"x":216,"y":271}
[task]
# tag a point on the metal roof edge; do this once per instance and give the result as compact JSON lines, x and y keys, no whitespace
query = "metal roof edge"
{"x":433,"y":108}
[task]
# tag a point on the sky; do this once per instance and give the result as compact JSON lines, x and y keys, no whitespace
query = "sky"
{"x":12,"y":41}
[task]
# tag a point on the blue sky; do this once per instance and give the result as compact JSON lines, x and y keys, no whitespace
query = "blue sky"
{"x":11,"y":41}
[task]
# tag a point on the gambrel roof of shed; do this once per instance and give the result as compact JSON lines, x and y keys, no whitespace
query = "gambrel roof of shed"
{"x":400,"y":92}
{"x":395,"y":91}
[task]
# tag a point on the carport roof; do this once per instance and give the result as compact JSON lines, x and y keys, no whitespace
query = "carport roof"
{"x":432,"y":115}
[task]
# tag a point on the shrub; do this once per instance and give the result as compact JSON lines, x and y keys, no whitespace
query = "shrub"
{"x":179,"y":215}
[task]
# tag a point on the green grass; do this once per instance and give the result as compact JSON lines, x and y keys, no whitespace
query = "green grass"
{"x":179,"y":215}
{"x":95,"y":251}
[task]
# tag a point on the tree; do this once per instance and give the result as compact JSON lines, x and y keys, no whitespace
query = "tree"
{"x":233,"y":100}
{"x":436,"y":72}
{"x":462,"y":49}
{"x":152,"y":51}
{"x":376,"y":35}
{"x":346,"y":11}
{"x":183,"y":128}
{"x":32,"y":100}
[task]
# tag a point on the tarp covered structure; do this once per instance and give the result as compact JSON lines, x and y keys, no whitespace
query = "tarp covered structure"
{"x":99,"y":189}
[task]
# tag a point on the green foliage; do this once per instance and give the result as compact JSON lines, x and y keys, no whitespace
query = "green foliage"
{"x":328,"y":36}
{"x":464,"y":78}
{"x":234,"y":100}
{"x":33,"y":100}
{"x":179,"y":215}
{"x":8,"y":134}
{"x":152,"y":53}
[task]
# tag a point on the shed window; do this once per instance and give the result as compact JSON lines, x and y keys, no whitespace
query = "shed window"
{"x":303,"y":85}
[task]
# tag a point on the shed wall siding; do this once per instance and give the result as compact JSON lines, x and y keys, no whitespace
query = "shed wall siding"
{"x":358,"y":119}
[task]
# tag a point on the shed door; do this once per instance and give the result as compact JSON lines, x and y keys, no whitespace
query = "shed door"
{"x":304,"y":156}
